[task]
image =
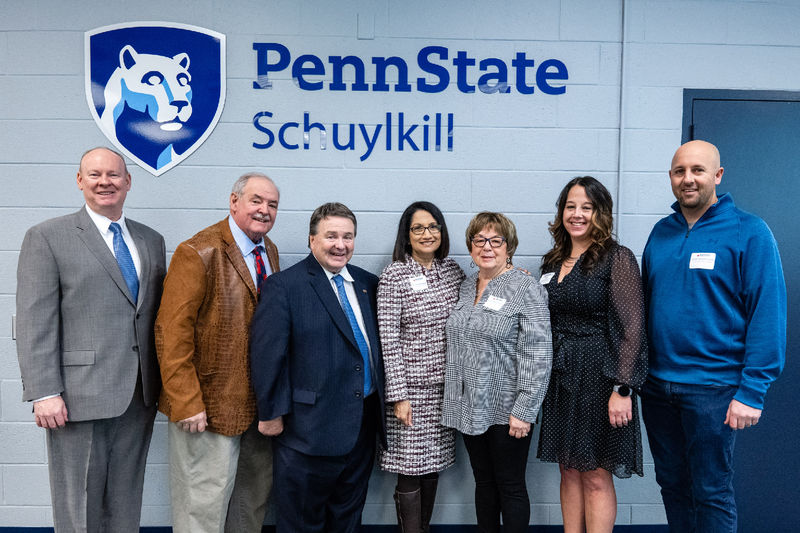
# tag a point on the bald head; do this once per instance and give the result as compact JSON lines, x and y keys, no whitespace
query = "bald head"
{"x":96,"y":148}
{"x":700,"y":148}
{"x":694,"y":176}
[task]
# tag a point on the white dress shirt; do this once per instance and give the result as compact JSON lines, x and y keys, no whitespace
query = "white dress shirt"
{"x":104,"y":223}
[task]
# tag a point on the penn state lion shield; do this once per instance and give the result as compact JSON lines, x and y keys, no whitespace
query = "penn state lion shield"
{"x":155,"y":89}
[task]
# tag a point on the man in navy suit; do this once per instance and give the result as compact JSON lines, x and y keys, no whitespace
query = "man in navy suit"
{"x":318,"y":377}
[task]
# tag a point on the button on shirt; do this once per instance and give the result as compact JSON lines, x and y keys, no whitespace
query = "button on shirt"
{"x":350,"y":290}
{"x":246,"y":246}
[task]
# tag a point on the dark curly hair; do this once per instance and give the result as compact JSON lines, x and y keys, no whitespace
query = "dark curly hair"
{"x":600,"y":231}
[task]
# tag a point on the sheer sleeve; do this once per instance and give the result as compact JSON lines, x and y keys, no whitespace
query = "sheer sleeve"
{"x":627,"y":363}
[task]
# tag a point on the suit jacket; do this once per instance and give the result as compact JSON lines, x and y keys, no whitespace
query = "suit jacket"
{"x":305,"y":360}
{"x":203,"y":331}
{"x":79,"y":333}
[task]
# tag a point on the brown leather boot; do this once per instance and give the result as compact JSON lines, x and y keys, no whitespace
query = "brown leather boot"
{"x":428,"y":498}
{"x":408,"y":511}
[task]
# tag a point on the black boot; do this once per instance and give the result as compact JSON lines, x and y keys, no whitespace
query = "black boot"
{"x":428,"y":489}
{"x":408,"y":511}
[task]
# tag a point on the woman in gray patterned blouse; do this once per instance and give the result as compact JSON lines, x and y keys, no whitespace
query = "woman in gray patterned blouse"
{"x":415,"y":296}
{"x":499,"y":352}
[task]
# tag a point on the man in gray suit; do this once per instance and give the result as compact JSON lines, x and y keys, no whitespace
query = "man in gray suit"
{"x":88,"y":287}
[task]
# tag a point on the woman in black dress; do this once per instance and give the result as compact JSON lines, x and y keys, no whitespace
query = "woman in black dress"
{"x":590,"y":416}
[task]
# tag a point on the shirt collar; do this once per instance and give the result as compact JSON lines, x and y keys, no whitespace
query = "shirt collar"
{"x":103,"y":222}
{"x":244,"y":242}
{"x":723,"y":203}
{"x":343,"y":272}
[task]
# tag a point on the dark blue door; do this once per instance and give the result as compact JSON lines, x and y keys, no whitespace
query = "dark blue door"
{"x":758,"y":135}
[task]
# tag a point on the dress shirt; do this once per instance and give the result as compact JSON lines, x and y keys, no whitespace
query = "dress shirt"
{"x":246,"y":246}
{"x":103,"y":224}
{"x":353,"y":299}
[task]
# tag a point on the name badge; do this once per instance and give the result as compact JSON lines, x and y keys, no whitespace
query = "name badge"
{"x":419,"y":283}
{"x":545,"y":279}
{"x":702,"y":260}
{"x":494,"y":303}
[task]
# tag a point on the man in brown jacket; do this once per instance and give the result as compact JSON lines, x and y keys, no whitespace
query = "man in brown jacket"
{"x":220,"y":465}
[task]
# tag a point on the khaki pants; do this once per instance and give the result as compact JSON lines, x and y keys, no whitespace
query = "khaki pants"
{"x":217,"y":483}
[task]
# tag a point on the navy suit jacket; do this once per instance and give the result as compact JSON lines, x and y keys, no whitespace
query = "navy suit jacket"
{"x":306,"y":365}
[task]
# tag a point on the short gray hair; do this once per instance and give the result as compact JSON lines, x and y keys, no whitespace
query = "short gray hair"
{"x":239,"y":184}
{"x":124,"y":163}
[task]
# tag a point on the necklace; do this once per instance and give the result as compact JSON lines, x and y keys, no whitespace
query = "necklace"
{"x":571,"y":261}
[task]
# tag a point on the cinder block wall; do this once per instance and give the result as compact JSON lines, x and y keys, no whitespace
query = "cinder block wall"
{"x":622,"y":110}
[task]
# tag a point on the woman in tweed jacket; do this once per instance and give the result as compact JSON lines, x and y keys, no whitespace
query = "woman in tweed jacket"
{"x":416,"y":293}
{"x":499,"y":353}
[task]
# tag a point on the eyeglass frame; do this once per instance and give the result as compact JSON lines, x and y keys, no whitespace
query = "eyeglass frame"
{"x":485,"y":240}
{"x":433,"y":229}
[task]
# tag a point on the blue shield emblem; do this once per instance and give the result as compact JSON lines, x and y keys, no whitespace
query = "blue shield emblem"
{"x":155,"y":89}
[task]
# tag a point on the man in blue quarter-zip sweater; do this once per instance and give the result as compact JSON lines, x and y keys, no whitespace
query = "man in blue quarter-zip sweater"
{"x":716,"y":306}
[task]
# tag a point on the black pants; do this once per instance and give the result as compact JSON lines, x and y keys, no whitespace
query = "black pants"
{"x":325,"y":494}
{"x":498,"y":463}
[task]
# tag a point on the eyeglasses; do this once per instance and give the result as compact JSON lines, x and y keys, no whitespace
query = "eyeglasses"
{"x":494,"y":242}
{"x":434,"y":229}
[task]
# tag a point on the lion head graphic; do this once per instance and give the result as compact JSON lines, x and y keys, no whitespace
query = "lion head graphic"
{"x":149,"y":96}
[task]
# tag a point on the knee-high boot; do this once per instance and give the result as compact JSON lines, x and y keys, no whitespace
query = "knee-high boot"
{"x":408,"y":511}
{"x":428,"y":489}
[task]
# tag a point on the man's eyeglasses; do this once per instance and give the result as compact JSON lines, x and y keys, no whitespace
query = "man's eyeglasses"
{"x":494,"y":242}
{"x":434,"y":229}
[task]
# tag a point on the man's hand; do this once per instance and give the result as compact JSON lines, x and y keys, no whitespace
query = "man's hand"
{"x":271,"y":428}
{"x":517,"y":428}
{"x":194,"y":424}
{"x":50,"y":413}
{"x":620,"y":410}
{"x":402,"y":410}
{"x":741,"y":416}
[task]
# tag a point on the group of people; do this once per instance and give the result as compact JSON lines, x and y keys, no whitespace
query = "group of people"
{"x":289,"y":382}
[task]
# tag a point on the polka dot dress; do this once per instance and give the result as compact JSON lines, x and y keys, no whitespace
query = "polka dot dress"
{"x":599,"y":340}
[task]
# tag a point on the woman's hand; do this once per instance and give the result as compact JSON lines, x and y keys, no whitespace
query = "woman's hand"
{"x":619,"y":410}
{"x":402,"y":410}
{"x":517,"y":428}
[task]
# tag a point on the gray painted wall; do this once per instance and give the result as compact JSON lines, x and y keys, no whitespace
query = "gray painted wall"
{"x":512,"y":153}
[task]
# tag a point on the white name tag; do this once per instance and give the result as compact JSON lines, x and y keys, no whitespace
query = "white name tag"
{"x":419,"y":283}
{"x":494,"y":303}
{"x":545,"y":279}
{"x":704,"y":261}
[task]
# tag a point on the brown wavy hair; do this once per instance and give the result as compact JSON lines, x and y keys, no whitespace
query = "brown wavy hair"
{"x":600,"y":231}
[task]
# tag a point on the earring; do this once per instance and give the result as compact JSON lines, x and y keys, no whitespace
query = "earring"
{"x":508,"y":262}
{"x":472,"y":264}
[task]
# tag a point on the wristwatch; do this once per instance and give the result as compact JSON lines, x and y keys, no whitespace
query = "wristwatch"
{"x":623,"y":390}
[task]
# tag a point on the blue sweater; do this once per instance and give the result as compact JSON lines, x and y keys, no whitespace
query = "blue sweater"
{"x":718,"y":318}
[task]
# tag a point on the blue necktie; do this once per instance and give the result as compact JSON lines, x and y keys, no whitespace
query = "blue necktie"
{"x":125,"y":261}
{"x":362,"y":343}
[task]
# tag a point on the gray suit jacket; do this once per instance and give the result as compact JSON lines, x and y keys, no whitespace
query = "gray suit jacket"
{"x":79,"y":333}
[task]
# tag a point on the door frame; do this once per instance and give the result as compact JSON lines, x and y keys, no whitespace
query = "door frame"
{"x":692,"y":95}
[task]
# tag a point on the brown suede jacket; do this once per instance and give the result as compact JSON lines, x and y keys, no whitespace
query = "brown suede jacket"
{"x":203,"y":331}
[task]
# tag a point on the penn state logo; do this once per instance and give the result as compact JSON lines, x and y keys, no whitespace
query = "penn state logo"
{"x":155,"y":89}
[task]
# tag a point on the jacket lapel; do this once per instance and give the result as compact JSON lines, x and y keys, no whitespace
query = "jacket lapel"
{"x":322,"y":286}
{"x":144,"y":258}
{"x":235,"y":257}
{"x":91,"y":237}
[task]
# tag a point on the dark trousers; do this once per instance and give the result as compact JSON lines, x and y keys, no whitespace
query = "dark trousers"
{"x":97,"y":470}
{"x":325,"y":494}
{"x":498,"y":463}
{"x":693,"y":453}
